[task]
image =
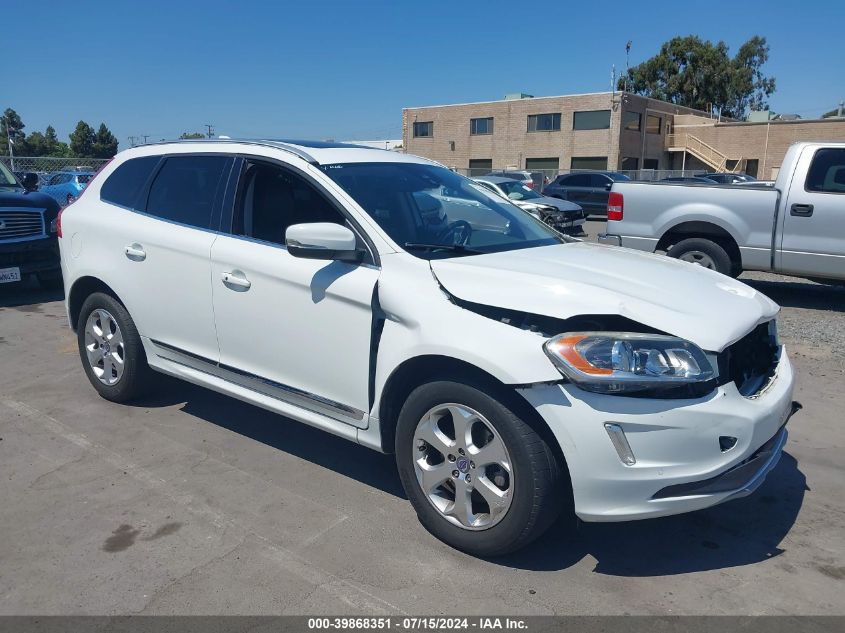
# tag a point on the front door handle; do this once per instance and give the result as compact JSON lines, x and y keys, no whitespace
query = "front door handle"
{"x":235,"y":280}
{"x":801,"y":210}
{"x":135,"y":252}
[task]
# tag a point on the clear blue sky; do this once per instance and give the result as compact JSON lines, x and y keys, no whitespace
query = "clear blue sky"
{"x":344,"y":70}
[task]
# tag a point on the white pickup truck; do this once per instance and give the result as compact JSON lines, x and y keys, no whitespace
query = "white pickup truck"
{"x":796,"y":227}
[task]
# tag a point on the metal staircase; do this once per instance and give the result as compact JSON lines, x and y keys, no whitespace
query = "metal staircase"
{"x":707,"y":154}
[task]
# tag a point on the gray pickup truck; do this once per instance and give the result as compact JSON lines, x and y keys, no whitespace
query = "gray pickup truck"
{"x":795,"y":228}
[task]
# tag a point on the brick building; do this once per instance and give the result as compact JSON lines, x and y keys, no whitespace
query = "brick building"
{"x":600,"y":131}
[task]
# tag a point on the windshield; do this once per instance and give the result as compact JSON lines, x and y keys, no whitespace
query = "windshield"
{"x":433,"y":212}
{"x":6,"y":177}
{"x":515,"y":190}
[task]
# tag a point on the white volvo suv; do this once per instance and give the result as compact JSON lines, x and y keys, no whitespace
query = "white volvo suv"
{"x":514,"y":372}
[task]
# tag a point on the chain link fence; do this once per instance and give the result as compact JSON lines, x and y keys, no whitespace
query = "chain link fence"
{"x":44,"y":166}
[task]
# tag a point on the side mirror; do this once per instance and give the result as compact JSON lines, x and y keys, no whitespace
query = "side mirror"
{"x":30,"y":181}
{"x":323,"y":240}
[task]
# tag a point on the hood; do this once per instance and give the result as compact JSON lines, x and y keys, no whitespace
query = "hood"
{"x":19,"y":197}
{"x":566,"y":280}
{"x":557,"y":203}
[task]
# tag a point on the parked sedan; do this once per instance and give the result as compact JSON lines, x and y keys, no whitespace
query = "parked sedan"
{"x":65,"y":186}
{"x":586,"y":188}
{"x":532,"y":179}
{"x":561,"y":215}
{"x":729,"y":178}
{"x":691,"y":180}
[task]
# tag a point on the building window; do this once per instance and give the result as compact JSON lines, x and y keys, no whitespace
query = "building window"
{"x":751,"y":167}
{"x":650,"y":163}
{"x":481,"y":126}
{"x":544,"y":164}
{"x":652,"y":124}
{"x":591,"y":120}
{"x":480,"y":166}
{"x":629,"y":164}
{"x":544,"y":122}
{"x":588,"y":162}
{"x":632,"y":121}
{"x":423,"y":129}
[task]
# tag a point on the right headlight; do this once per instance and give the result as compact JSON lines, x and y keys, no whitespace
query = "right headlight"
{"x":629,"y":363}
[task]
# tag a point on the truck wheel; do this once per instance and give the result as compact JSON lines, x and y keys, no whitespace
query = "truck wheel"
{"x":703,"y":252}
{"x":111,"y":349}
{"x":479,"y":478}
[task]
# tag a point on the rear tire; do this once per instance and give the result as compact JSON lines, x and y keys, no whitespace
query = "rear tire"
{"x":705,"y":253}
{"x":110,"y":349}
{"x":524,"y":485}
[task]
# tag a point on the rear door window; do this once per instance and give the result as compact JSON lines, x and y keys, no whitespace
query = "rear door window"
{"x":578,"y":180}
{"x":827,"y":171}
{"x":186,"y":187}
{"x":127,"y":181}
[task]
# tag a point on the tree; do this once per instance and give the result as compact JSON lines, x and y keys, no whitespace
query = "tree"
{"x":695,"y":73}
{"x":35,"y":145}
{"x":190,"y":135}
{"x":105,"y":143}
{"x":833,"y":113}
{"x":82,"y":140}
{"x":12,"y":127}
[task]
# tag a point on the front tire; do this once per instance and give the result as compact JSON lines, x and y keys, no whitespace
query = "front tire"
{"x":480,"y":478}
{"x":111,"y":350}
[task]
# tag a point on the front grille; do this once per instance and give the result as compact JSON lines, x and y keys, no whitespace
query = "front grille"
{"x":751,"y":361}
{"x":19,"y":224}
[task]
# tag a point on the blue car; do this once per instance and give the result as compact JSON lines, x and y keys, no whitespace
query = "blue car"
{"x":65,"y":186}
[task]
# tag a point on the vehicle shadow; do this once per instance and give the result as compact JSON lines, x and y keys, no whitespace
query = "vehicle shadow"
{"x":737,"y":533}
{"x":295,"y":438}
{"x":27,"y":293}
{"x":740,"y":532}
{"x":802,"y":294}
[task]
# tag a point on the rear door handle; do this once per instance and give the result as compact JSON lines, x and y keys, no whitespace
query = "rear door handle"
{"x":801,"y":210}
{"x":135,"y":252}
{"x":235,"y":280}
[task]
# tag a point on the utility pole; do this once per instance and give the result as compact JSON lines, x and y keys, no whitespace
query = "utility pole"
{"x":627,"y":56}
{"x":210,"y":130}
{"x":11,"y":143}
{"x":841,"y":108}
{"x":132,"y":140}
{"x":146,"y":136}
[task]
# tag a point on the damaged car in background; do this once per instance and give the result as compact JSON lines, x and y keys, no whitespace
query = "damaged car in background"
{"x":561,"y":215}
{"x":515,"y":373}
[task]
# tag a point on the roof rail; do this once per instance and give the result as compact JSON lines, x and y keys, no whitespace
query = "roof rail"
{"x":285,"y":147}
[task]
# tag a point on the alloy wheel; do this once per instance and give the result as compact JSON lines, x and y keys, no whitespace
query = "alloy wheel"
{"x":104,"y":346}
{"x":700,"y":258}
{"x":463,"y":466}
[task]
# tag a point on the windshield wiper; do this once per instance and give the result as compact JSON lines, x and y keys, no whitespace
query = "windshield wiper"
{"x":455,"y":248}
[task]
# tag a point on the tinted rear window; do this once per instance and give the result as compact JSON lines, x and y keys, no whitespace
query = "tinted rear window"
{"x":184,"y":189}
{"x":125,"y":184}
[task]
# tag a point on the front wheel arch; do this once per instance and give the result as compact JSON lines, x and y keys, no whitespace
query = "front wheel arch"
{"x":419,"y":370}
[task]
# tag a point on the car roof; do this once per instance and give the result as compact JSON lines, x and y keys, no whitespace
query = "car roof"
{"x":314,"y":152}
{"x":496,"y":180}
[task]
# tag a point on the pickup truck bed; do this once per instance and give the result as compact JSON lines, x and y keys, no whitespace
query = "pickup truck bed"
{"x":796,"y":227}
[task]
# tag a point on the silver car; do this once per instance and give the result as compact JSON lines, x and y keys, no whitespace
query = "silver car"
{"x":561,"y":215}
